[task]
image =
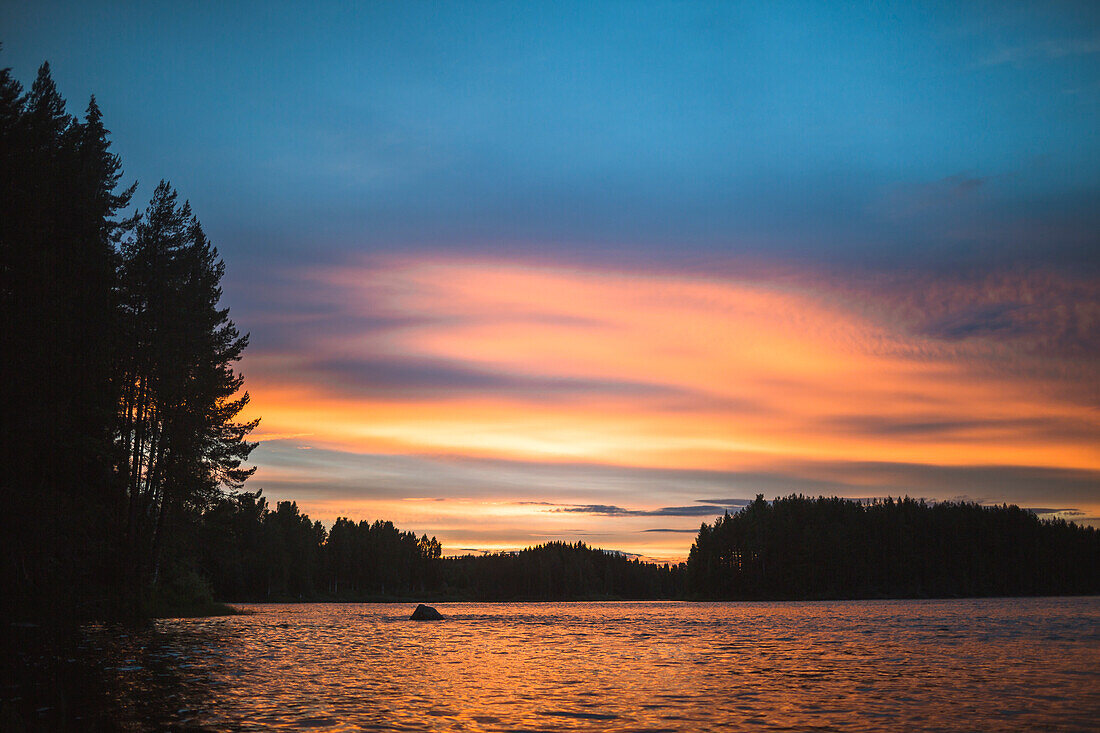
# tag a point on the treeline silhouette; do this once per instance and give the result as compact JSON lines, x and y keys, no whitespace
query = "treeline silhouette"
{"x":251,"y":552}
{"x":802,"y":548}
{"x":793,"y":548}
{"x":242,"y":550}
{"x":119,"y":396}
{"x":560,"y":571}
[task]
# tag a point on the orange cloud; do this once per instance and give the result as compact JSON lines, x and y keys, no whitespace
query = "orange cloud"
{"x":500,"y":360}
{"x":737,"y":370}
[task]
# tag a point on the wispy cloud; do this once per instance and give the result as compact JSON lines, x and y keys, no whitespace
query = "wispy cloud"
{"x":726,"y":502}
{"x":996,"y":319}
{"x":1045,"y":49}
{"x":396,"y":377}
{"x":606,"y":510}
{"x":1047,"y":511}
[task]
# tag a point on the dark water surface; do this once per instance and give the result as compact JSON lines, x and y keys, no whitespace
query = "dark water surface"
{"x":991,"y":664}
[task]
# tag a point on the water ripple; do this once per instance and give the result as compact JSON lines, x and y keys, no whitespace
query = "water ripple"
{"x":998,"y":664}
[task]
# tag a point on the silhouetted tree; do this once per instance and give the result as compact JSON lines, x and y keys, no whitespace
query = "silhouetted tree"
{"x":180,"y":441}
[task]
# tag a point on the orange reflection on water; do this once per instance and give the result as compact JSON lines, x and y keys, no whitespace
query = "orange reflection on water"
{"x":859,"y":665}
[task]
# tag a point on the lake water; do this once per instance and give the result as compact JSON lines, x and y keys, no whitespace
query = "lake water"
{"x":993,"y":664}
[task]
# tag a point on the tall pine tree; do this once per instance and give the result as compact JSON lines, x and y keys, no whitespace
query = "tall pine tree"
{"x":179,"y":435}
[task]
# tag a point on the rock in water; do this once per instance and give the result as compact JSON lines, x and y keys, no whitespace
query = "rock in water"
{"x":425,"y":613}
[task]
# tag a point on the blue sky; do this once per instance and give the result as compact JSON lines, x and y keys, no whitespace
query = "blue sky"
{"x":932,"y":169}
{"x":804,"y":128}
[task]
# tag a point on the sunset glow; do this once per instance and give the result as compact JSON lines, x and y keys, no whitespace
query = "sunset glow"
{"x":494,"y":361}
{"x":636,"y":257}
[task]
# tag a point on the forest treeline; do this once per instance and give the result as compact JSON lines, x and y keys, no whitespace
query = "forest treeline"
{"x":794,"y":548}
{"x":119,"y":395}
{"x":799,"y":548}
{"x":122,"y":453}
{"x":251,"y":552}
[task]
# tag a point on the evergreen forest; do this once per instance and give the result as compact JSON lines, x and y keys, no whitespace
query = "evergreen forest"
{"x":803,"y":548}
{"x":251,"y":552}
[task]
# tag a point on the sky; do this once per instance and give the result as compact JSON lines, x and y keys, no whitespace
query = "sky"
{"x":516,"y":272}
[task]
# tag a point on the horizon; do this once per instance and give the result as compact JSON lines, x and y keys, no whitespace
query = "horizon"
{"x":518,"y":275}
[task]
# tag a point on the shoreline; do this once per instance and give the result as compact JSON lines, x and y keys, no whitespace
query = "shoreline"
{"x":238,"y":608}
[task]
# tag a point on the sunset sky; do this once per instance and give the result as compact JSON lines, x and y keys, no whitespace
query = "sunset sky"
{"x":597,"y":271}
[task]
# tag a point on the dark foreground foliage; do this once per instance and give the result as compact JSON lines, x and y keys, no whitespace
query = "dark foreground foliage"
{"x":802,"y":548}
{"x":119,"y":395}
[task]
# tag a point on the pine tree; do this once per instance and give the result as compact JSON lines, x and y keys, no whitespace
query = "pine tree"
{"x":179,"y":437}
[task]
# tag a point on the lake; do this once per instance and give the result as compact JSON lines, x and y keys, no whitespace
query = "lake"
{"x":988,"y":664}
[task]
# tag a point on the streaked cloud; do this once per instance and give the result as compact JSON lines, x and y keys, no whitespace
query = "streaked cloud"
{"x":508,"y":360}
{"x":541,"y":400}
{"x":994,"y":319}
{"x":397,"y":377}
{"x":607,"y":510}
